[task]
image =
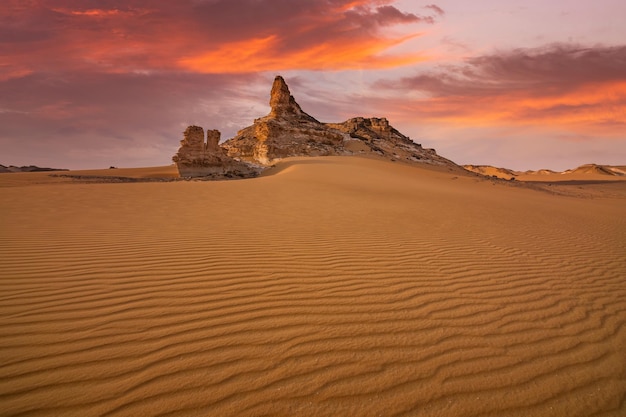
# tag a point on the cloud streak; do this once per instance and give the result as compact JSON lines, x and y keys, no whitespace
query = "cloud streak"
{"x":438,"y":10}
{"x":210,"y":36}
{"x":570,"y":85}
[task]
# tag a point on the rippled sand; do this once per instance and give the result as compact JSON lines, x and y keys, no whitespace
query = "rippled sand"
{"x":329,"y":287}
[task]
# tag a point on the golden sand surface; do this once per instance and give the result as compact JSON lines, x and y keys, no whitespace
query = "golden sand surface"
{"x":336,"y":286}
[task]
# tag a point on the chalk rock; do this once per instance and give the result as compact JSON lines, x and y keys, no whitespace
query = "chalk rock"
{"x":282,"y":102}
{"x":286,"y":131}
{"x":377,"y":135}
{"x":197,"y":158}
{"x":289,"y":131}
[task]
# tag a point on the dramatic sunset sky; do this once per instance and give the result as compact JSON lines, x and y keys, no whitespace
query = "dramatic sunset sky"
{"x":524,"y":84}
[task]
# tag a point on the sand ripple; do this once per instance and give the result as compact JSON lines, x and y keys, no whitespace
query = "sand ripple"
{"x":348,"y":287}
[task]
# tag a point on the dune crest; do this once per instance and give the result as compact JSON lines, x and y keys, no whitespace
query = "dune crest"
{"x":587,"y":171}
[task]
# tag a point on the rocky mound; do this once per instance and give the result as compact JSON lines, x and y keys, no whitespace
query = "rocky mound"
{"x":376,"y":135}
{"x":28,"y":168}
{"x":289,"y":131}
{"x":596,"y":169}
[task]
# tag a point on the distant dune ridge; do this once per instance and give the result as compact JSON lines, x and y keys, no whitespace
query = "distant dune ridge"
{"x":598,"y":169}
{"x":587,"y":169}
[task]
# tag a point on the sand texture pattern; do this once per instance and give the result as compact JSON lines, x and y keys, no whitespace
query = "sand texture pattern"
{"x":336,"y":286}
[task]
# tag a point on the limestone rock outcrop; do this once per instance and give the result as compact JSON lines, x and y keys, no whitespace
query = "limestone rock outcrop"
{"x":197,"y":158}
{"x":378,"y":136}
{"x":289,"y":131}
{"x":283,"y":104}
{"x":285,"y":131}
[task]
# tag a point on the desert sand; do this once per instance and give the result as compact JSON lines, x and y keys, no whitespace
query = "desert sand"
{"x":336,"y":286}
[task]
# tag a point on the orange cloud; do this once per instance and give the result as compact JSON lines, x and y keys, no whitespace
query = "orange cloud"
{"x":354,"y":4}
{"x":91,"y":12}
{"x":207,"y":36}
{"x":579,"y":89}
{"x":8,"y":73}
{"x":588,"y":105}
{"x":114,"y":13}
{"x":262,"y":55}
{"x":345,"y":36}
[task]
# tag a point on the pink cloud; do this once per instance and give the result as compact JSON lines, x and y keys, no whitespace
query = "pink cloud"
{"x":563,"y":84}
{"x":438,"y":10}
{"x":541,"y":71}
{"x":162,"y":35}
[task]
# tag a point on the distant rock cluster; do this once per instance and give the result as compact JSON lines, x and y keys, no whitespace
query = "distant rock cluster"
{"x":29,"y":168}
{"x":289,"y":131}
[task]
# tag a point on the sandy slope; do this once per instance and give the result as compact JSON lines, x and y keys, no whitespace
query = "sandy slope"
{"x":336,"y":286}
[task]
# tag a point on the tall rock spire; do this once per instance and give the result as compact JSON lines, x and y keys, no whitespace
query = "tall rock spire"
{"x":282,"y":102}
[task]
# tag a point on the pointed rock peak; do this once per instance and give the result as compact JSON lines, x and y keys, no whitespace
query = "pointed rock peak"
{"x":279,"y":97}
{"x":281,"y":100}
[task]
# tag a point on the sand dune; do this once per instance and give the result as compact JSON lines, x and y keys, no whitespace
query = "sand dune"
{"x":589,"y":172}
{"x":327,"y":287}
{"x":597,"y":170}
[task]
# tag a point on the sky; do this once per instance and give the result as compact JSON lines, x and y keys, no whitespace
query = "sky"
{"x":520,"y":84}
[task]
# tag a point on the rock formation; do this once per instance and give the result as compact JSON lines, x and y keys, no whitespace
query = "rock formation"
{"x":28,"y":168}
{"x":288,"y":131}
{"x":376,"y":135}
{"x":282,"y":103}
{"x":195,"y":158}
{"x":285,"y":131}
